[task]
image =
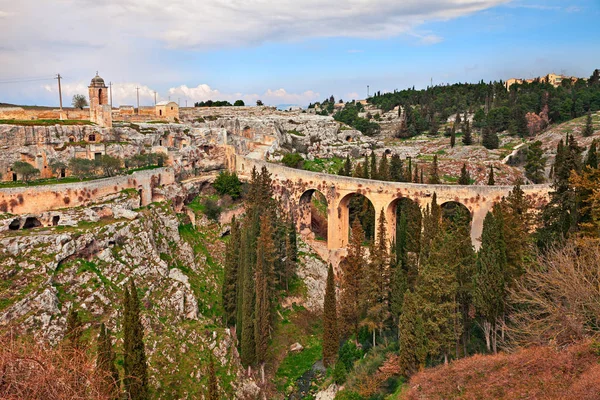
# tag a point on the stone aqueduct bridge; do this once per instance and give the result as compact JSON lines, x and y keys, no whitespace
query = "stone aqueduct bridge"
{"x":295,"y":188}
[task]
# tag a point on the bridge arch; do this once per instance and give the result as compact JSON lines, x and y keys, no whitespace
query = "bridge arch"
{"x":456,"y":212}
{"x":313,"y":210}
{"x":413,"y":217}
{"x":355,"y":205}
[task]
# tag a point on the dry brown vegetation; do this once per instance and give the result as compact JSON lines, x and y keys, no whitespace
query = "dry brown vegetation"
{"x":30,"y":370}
{"x":539,"y":372}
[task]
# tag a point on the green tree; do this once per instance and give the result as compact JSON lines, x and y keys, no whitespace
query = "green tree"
{"x":396,"y":169}
{"x":373,"y":166}
{"x":591,"y":160}
{"x":228,"y":183}
{"x":330,"y":330}
{"x":293,"y":160}
{"x":79,"y":101}
{"x":230,"y":278}
{"x":589,"y":129}
{"x":109,"y":165}
{"x":465,"y":177}
{"x":57,"y":167}
{"x":412,"y":338}
{"x":467,"y":137}
{"x":239,"y":103}
{"x":25,"y":170}
{"x":490,"y":279}
{"x":453,"y":137}
{"x":434,"y":173}
{"x":213,"y":387}
{"x":82,"y":167}
{"x":479,"y":118}
{"x":105,"y":362}
{"x":489,"y":138}
{"x":350,"y":288}
{"x":384,"y":168}
{"x":346,"y":169}
{"x":491,"y":180}
{"x":536,"y":162}
{"x":134,"y":354}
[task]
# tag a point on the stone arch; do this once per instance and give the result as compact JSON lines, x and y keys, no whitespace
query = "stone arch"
{"x":357,"y":205}
{"x":313,"y":214}
{"x":413,"y":218}
{"x":451,"y":211}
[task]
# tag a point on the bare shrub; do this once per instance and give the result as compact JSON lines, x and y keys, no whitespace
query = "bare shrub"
{"x":30,"y":370}
{"x":558,"y":299}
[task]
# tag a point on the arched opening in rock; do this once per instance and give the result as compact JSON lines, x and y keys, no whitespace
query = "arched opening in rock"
{"x":55,"y":220}
{"x":15,"y":224}
{"x":141,"y":194}
{"x":405,"y":218}
{"x":360,"y":208}
{"x":31,"y":222}
{"x":313,"y":214}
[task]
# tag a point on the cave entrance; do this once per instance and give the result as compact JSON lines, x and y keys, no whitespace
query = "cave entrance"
{"x":31,"y":222}
{"x":55,"y":220}
{"x":15,"y":225}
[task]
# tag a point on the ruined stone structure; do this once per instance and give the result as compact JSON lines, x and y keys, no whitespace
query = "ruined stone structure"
{"x":168,"y":110}
{"x":100,"y":109}
{"x":296,"y":187}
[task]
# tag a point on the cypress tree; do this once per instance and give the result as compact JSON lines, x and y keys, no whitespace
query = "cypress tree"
{"x":408,"y":171}
{"x":453,"y":136}
{"x":536,"y":162}
{"x":373,"y":167}
{"x":350,"y":288}
{"x":105,"y":363}
{"x":589,"y":129}
{"x":396,"y":169}
{"x":434,"y":126}
{"x":134,"y":354}
{"x":248,"y":344}
{"x":366,"y":174}
{"x":465,"y":177}
{"x":489,"y":138}
{"x":490,"y":285}
{"x":416,"y":176}
{"x":467,"y":138}
{"x":347,"y":166}
{"x":491,"y":181}
{"x":591,"y":159}
{"x":263,"y":278}
{"x":330,"y":330}
{"x":384,"y":169}
{"x":434,"y":173}
{"x":213,"y":387}
{"x":230,"y":279}
{"x":412,"y":338}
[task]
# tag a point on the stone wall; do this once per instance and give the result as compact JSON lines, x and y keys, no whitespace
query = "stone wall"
{"x":20,"y":113}
{"x":38,"y":199}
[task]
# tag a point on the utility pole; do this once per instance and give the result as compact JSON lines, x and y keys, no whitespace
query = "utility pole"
{"x":59,"y":90}
{"x":185,"y":103}
{"x":155,"y":97}
{"x":111,"y":106}
{"x":137,"y":89}
{"x":367,"y":91}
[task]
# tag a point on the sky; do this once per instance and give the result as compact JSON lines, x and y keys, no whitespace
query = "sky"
{"x":285,"y":51}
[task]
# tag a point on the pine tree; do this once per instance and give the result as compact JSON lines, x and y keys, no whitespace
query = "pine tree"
{"x":350,"y":288}
{"x":408,"y":171}
{"x":434,"y":173}
{"x":536,"y":162}
{"x":230,"y":279}
{"x":366,"y":174}
{"x":213,"y":387}
{"x":248,"y":344}
{"x":134,"y":354}
{"x":263,"y":280}
{"x":291,"y":252}
{"x":412,"y":338}
{"x":467,"y":138}
{"x":434,"y":126}
{"x":491,"y":180}
{"x":105,"y":363}
{"x":589,"y":129}
{"x":490,"y":283}
{"x":416,"y":177}
{"x":591,"y":160}
{"x":489,"y":138}
{"x":453,"y":136}
{"x":384,"y":169}
{"x":465,"y":177}
{"x":396,"y":169}
{"x":330,"y":330}
{"x":373,"y":167}
{"x":432,"y":219}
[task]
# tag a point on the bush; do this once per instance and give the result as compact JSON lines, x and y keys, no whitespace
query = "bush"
{"x":348,"y":354}
{"x":348,"y":395}
{"x":239,"y":103}
{"x":211,"y":209}
{"x":228,"y":184}
{"x":339,"y":373}
{"x":293,"y":160}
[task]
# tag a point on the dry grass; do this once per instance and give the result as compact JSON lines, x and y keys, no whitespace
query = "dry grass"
{"x":541,"y":372}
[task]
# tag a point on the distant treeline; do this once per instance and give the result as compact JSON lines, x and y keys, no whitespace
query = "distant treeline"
{"x":219,"y":103}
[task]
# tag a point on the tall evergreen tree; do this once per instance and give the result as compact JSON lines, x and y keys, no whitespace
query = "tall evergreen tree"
{"x":213,"y":387}
{"x":396,"y":169}
{"x":489,"y":138}
{"x":264,"y":287}
{"x":467,"y":137}
{"x":589,"y":129}
{"x":408,"y":171}
{"x":536,"y":162}
{"x":417,"y":176}
{"x":366,"y":174}
{"x":491,"y":180}
{"x":465,"y":177}
{"x":373,"y":166}
{"x":384,"y":168}
{"x":453,"y":137}
{"x":248,"y":344}
{"x":434,"y":173}
{"x":434,"y":126}
{"x":230,"y":278}
{"x":350,"y":290}
{"x":330,"y":330}
{"x":591,"y":160}
{"x":347,"y":166}
{"x":490,"y":278}
{"x":105,"y":362}
{"x":134,"y":354}
{"x":412,"y":337}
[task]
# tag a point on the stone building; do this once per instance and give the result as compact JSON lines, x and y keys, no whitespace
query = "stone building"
{"x":100,"y":110}
{"x":167,"y":110}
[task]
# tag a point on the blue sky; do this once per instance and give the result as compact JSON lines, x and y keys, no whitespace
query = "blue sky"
{"x":285,"y":51}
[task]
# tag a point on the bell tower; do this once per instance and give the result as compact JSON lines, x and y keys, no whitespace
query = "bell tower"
{"x":100,"y":110}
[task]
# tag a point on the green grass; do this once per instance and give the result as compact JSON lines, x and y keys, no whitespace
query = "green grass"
{"x":327,"y":165}
{"x":295,"y":132}
{"x":294,"y":365}
{"x":44,"y":122}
